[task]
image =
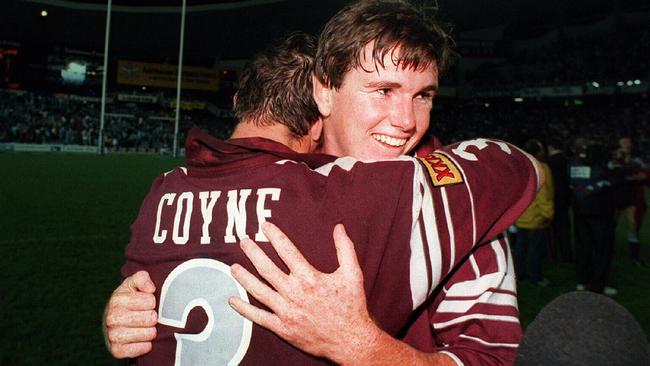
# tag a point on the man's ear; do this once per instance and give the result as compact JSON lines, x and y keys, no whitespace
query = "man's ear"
{"x":322,"y":96}
{"x":316,"y":131}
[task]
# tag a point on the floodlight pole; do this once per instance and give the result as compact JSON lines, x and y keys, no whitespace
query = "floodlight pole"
{"x":178,"y":80}
{"x":102,"y":115}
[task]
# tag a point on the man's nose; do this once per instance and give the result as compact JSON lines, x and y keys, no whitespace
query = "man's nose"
{"x":403,"y":116}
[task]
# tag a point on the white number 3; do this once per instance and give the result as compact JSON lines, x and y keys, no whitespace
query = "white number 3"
{"x":480,"y":144}
{"x":205,"y":283}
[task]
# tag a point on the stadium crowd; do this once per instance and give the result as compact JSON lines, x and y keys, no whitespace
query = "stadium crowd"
{"x":34,"y":118}
{"x":600,"y":119}
{"x":28,"y":117}
{"x":567,"y":60}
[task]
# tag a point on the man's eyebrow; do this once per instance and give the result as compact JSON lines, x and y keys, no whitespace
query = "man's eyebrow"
{"x":383,"y":85}
{"x":430,"y":88}
{"x":395,"y":85}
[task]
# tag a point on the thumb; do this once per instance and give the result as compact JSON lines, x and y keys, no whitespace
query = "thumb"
{"x":345,"y":250}
{"x":140,"y":281}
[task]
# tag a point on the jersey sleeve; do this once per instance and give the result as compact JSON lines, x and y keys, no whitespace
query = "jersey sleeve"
{"x":478,"y":188}
{"x":475,"y":317}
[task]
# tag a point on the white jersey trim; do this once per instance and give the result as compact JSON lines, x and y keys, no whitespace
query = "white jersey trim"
{"x":453,"y":357}
{"x":418,"y":269}
{"x":489,"y":297}
{"x":461,"y":319}
{"x":282,"y":162}
{"x":472,"y":261}
{"x":502,"y":264}
{"x":182,"y":168}
{"x":489,"y":344}
{"x":474,"y":288}
{"x":511,"y":262}
{"x":418,"y":274}
{"x":346,"y":163}
{"x":432,"y":234}
{"x":450,"y":228}
{"x":469,"y":191}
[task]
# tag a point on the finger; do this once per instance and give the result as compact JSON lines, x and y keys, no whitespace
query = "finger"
{"x":256,"y":315}
{"x":345,"y":252}
{"x":286,"y":249}
{"x":141,"y":281}
{"x":120,"y":336}
{"x":132,"y":319}
{"x":264,"y":265}
{"x":132,"y":301}
{"x":258,"y":289}
{"x":131,"y":350}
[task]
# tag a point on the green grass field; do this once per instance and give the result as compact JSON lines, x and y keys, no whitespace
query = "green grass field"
{"x":65,"y":222}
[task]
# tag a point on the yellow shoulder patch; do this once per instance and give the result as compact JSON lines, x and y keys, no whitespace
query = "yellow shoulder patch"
{"x":441,"y":170}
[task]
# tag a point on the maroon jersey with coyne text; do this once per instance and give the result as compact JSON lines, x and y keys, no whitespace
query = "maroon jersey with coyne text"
{"x":187,"y":231}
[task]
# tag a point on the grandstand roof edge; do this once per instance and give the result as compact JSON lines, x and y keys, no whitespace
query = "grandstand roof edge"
{"x":154,"y":9}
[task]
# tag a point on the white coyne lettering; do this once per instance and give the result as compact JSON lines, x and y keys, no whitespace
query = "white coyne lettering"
{"x":206,"y":212}
{"x":185,"y":198}
{"x":236,"y":215}
{"x":235,"y":208}
{"x":159,"y":236}
{"x":262,"y":213}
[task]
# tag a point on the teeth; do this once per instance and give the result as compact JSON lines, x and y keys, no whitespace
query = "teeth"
{"x":389,"y":140}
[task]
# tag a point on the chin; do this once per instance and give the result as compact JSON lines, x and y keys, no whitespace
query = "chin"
{"x":381,"y":152}
{"x":385,"y":155}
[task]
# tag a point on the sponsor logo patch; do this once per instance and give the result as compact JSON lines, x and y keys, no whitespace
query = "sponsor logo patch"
{"x":441,"y":170}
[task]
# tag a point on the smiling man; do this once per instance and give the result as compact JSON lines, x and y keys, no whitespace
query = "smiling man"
{"x":374,"y":90}
{"x":376,"y":115}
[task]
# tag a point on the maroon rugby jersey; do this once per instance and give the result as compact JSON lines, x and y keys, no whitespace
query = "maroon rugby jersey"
{"x":473,"y":314}
{"x":188,"y":227}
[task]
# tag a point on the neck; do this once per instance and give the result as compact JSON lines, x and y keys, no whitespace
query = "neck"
{"x":276,"y":132}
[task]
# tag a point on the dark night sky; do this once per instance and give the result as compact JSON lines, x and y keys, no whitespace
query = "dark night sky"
{"x":247,"y":25}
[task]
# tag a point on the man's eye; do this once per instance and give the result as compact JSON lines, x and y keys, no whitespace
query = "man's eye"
{"x":383,"y":91}
{"x":426,"y":96}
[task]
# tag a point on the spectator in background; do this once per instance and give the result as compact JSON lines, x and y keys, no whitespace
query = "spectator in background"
{"x":531,"y":226}
{"x":593,"y":210}
{"x":633,"y":205}
{"x":560,"y":226}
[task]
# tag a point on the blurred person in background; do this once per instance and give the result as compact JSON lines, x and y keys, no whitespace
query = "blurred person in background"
{"x":594,"y":210}
{"x":632,"y":203}
{"x":532,"y":233}
{"x":558,"y":162}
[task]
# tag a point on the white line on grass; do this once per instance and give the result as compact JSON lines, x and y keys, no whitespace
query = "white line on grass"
{"x":57,"y":239}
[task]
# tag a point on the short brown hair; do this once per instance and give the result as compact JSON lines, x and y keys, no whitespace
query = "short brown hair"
{"x":390,"y":24}
{"x":276,"y":86}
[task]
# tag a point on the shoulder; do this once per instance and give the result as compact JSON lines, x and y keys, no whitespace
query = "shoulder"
{"x":484,"y":160}
{"x":348,"y":163}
